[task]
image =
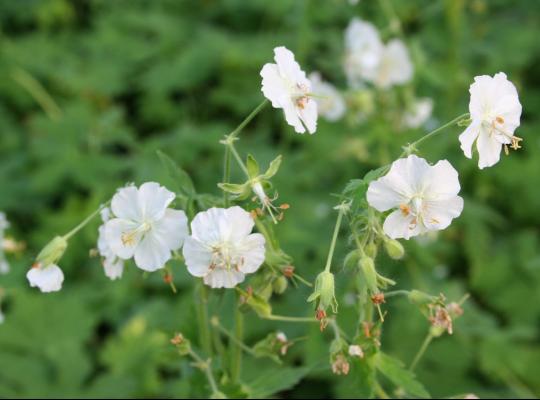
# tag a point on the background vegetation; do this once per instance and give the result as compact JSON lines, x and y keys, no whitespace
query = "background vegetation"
{"x":91,"y":89}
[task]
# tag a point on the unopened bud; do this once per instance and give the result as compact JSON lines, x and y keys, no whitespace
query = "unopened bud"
{"x":368,"y":268}
{"x":280,"y":285}
{"x":356,"y":351}
{"x":324,"y":292}
{"x":182,"y":344}
{"x":371,"y":250}
{"x":394,"y":249}
{"x":53,"y":251}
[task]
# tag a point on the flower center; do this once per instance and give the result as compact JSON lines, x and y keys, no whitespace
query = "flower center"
{"x":223,"y":257}
{"x":301,"y":95}
{"x":414,"y":208}
{"x":129,"y":237}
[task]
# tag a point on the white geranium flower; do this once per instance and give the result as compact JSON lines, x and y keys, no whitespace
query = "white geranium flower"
{"x":395,"y":66}
{"x":330,"y":102}
{"x":287,"y":87}
{"x":495,"y":114}
{"x":144,"y":227}
{"x":221,"y":248}
{"x":425,"y":197}
{"x":419,"y":113}
{"x":363,"y":52}
{"x":112,"y":265}
{"x":47,"y":278}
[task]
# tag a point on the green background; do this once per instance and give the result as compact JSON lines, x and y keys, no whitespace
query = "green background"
{"x":130,"y":77}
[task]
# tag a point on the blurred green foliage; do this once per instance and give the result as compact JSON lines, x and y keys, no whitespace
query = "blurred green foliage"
{"x":91,"y":89}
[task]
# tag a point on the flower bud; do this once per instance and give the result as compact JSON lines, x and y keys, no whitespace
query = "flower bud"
{"x":368,"y":269}
{"x":420,"y":298}
{"x":259,"y":305}
{"x":53,"y":251}
{"x":324,"y":293}
{"x":371,"y":250}
{"x":394,"y":249}
{"x":280,"y":285}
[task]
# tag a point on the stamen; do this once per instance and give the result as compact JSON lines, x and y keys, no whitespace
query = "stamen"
{"x":499,"y":120}
{"x":405,"y":209}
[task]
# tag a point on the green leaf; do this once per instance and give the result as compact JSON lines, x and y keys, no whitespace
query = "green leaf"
{"x":396,"y":372}
{"x":181,"y":178}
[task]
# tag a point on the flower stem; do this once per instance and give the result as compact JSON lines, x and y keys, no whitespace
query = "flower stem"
{"x":236,"y":359}
{"x":201,"y":304}
{"x":85,"y":222}
{"x":396,"y":293}
{"x":248,"y":119}
{"x":226,"y":174}
{"x":411,"y":147}
{"x":342,"y":208}
{"x":290,"y":319}
{"x":427,"y":341}
{"x":215,"y":322}
{"x":206,"y":367}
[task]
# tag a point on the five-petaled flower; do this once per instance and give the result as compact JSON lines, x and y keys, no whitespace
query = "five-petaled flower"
{"x":144,"y":226}
{"x":495,"y":114}
{"x":286,"y":86}
{"x":424,"y":197}
{"x":221,"y":248}
{"x":330,"y":102}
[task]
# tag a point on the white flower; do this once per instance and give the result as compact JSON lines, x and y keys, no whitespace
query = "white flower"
{"x":395,"y":66}
{"x":4,"y":224}
{"x":287,"y":87}
{"x":112,"y":265}
{"x":424,"y":197}
{"x":46,"y":278}
{"x":495,"y":114}
{"x":2,"y":317}
{"x":221,"y":248}
{"x":144,"y":227}
{"x":330,"y":102}
{"x":356,"y":351}
{"x":363,"y":52}
{"x":419,"y":113}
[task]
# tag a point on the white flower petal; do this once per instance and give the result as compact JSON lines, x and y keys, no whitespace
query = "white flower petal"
{"x":468,"y":137}
{"x":172,"y":229}
{"x":292,"y":116}
{"x":308,"y":115}
{"x":198,"y":257}
{"x":273,"y":85}
{"x":439,"y":214}
{"x":113,"y":267}
{"x":125,"y":204}
{"x":151,"y":253}
{"x":117,"y":231}
{"x":382,"y":196}
{"x":400,"y":226}
{"x":489,"y":150}
{"x":287,"y":65}
{"x":47,"y":279}
{"x":441,"y":181}
{"x":154,"y":200}
{"x":240,"y":222}
{"x":222,"y":278}
{"x":251,"y":251}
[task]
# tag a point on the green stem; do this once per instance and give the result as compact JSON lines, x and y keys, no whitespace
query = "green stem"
{"x":236,"y":359}
{"x":427,"y":341}
{"x":248,"y":119}
{"x":391,"y":15}
{"x":232,"y":338}
{"x":85,"y":222}
{"x":342,"y":208}
{"x":206,"y":367}
{"x":237,"y":157}
{"x":434,"y":132}
{"x":226,"y":174}
{"x":396,"y":293}
{"x":201,"y":304}
{"x":290,"y":319}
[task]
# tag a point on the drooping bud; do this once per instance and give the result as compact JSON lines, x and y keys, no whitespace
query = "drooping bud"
{"x":280,"y":284}
{"x":324,"y":295}
{"x":52,"y":252}
{"x":371,"y":250}
{"x":370,"y":275}
{"x":394,"y":249}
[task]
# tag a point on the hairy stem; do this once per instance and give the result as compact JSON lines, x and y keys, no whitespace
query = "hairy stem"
{"x":236,"y":349}
{"x":85,"y":222}
{"x":206,"y":367}
{"x":342,"y":209}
